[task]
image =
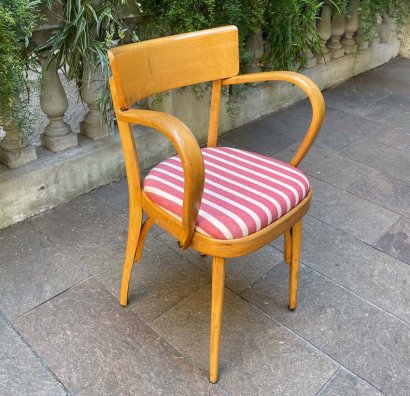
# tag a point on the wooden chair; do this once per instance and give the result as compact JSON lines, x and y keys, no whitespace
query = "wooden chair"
{"x":205,"y":198}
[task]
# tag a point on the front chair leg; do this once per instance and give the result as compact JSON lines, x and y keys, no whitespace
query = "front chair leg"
{"x":294,"y":268}
{"x":218,"y":284}
{"x":134,"y":230}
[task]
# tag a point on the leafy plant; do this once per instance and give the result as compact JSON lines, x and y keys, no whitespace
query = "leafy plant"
{"x":89,"y":28}
{"x":17,"y":18}
{"x":291,"y":30}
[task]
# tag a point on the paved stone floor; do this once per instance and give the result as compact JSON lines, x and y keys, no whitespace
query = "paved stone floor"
{"x":62,"y":330}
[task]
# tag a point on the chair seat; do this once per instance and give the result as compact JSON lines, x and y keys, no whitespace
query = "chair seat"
{"x":243,"y":193}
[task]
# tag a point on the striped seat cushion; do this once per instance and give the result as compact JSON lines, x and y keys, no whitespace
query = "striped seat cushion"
{"x":244,"y":192}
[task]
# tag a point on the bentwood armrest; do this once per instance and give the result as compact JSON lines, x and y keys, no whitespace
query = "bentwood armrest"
{"x":306,"y":85}
{"x":189,"y":152}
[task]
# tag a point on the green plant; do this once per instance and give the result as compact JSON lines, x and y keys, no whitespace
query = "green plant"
{"x":172,"y":17}
{"x":291,"y":29}
{"x":88,"y":29}
{"x":17,"y":18}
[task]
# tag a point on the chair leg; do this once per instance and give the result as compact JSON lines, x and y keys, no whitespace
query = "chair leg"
{"x":294,"y":268}
{"x":288,"y":246}
{"x":134,"y":230}
{"x":218,"y":283}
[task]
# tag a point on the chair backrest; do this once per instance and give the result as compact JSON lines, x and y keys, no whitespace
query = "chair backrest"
{"x":149,"y":67}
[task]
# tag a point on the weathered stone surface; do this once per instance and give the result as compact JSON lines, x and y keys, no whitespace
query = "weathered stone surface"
{"x":363,"y":338}
{"x":350,"y":213}
{"x":241,"y":272}
{"x":329,"y":167}
{"x":89,"y":231}
{"x":384,"y":190}
{"x":396,"y":241}
{"x":259,"y":139}
{"x":355,"y":99}
{"x":378,"y":131}
{"x":257,"y":355}
{"x":348,"y":384}
{"x":367,"y":272}
{"x":381,"y":157}
{"x":32,"y":270}
{"x":161,"y":279}
{"x":21,"y":372}
{"x":94,"y":346}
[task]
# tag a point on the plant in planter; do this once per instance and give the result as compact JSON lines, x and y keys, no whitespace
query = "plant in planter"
{"x":17,"y":19}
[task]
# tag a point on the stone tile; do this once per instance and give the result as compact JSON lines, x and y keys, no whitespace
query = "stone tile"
{"x":89,"y":231}
{"x":379,"y":156}
{"x":329,"y":167}
{"x":261,"y":140}
{"x":353,"y":98}
{"x":115,"y":195}
{"x":96,"y":347}
{"x":396,"y":241}
{"x":257,"y":354}
{"x":241,"y":272}
{"x":32,"y":270}
{"x":367,"y":272}
{"x":349,"y":213}
{"x":385,"y":191}
{"x":363,"y":338}
{"x":347,"y":384}
{"x":161,"y":279}
{"x":292,"y":125}
{"x":377,"y":131}
{"x":21,"y":372}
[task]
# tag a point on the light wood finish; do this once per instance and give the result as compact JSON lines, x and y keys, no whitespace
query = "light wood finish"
{"x":294,"y":268}
{"x":218,"y":285}
{"x":214,"y":114}
{"x":142,"y":69}
{"x":143,"y":234}
{"x":308,"y":87}
{"x":287,"y":236}
{"x":146,"y":68}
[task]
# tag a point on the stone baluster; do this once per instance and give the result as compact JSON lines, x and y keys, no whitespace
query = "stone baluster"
{"x":375,"y":33}
{"x":324,"y":30}
{"x":255,"y":50}
{"x":352,"y":24}
{"x":338,"y":29}
{"x":15,"y":150}
{"x":93,"y":125}
{"x":57,"y":134}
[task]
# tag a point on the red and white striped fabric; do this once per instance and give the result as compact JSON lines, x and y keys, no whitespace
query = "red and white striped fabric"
{"x":244,"y":192}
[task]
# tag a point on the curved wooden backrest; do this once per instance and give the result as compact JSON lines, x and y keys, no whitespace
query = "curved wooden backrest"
{"x":143,"y":69}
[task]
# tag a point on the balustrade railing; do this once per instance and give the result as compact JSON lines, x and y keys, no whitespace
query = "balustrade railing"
{"x":340,"y":36}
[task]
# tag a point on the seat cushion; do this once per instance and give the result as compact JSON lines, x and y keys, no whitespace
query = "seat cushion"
{"x":243,"y":193}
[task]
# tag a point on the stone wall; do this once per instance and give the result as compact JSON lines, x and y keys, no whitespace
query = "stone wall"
{"x":405,"y":40}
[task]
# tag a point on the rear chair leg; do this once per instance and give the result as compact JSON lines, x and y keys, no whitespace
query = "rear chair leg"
{"x":288,"y":246}
{"x":218,"y":284}
{"x":294,"y":268}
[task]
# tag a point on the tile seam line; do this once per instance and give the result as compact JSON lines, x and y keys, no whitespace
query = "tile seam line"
{"x":407,"y":324}
{"x":328,"y":383}
{"x":353,"y":236}
{"x":53,"y":297}
{"x":36,"y":355}
{"x":312,"y":345}
{"x":354,"y":195}
{"x":64,"y":252}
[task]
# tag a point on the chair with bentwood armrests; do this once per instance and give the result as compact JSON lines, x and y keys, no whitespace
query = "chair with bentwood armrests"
{"x":220,"y":201}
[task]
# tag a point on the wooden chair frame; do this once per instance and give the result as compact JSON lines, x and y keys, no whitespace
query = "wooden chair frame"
{"x":189,"y":152}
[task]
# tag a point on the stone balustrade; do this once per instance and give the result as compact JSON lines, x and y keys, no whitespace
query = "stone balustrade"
{"x":340,"y":36}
